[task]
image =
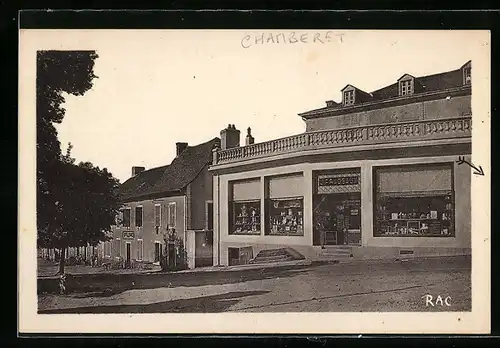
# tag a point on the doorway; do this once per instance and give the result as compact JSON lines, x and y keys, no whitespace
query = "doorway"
{"x":158,"y":252}
{"x":127,"y":253}
{"x":337,"y":219}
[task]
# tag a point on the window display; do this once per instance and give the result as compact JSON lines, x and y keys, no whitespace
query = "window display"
{"x":245,"y":217}
{"x":286,"y":217}
{"x":414,"y":201}
{"x":415,"y":216}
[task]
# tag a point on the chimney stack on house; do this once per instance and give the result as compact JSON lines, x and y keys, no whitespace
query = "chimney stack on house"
{"x":137,"y":170}
{"x":229,"y":137}
{"x":180,"y":147}
{"x":249,"y":140}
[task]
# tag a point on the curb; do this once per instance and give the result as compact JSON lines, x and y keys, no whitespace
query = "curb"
{"x":249,"y":266}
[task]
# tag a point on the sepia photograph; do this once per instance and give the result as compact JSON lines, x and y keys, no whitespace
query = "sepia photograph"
{"x":211,"y":172}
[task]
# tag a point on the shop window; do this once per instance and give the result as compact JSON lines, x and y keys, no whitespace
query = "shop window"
{"x":414,"y":201}
{"x":284,"y":206}
{"x":126,"y":217}
{"x":245,"y":217}
{"x":138,"y":216}
{"x":286,"y":217}
{"x":244,"y":208}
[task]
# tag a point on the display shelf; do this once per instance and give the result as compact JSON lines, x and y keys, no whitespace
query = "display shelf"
{"x":246,"y":218}
{"x":423,"y":216}
{"x":286,"y":217}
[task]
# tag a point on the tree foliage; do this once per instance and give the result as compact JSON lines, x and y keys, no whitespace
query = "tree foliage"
{"x":76,"y":204}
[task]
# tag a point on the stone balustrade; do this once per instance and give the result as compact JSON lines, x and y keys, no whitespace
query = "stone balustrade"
{"x":363,"y":135}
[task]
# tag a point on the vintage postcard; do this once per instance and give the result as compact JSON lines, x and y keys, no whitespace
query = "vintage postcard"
{"x":232,"y":181}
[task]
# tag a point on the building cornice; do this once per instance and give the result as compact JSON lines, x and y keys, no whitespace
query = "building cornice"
{"x":400,"y":100}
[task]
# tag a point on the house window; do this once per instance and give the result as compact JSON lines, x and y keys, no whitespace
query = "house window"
{"x":138,"y":216}
{"x":348,"y":97}
{"x":126,"y":217}
{"x":107,"y":249}
{"x":119,"y":218}
{"x":467,"y":76}
{"x":140,"y":249}
{"x":117,"y":247}
{"x":210,"y":216}
{"x":171,"y":214}
{"x":285,"y":206}
{"x":244,"y":207}
{"x":414,"y":201}
{"x":406,"y":87}
{"x":157,"y":215}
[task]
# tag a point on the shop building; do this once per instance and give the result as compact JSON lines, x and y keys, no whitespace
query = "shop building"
{"x":172,"y":198}
{"x":373,"y":176}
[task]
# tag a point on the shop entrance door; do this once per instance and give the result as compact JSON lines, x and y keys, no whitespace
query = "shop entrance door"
{"x":347,"y":220}
{"x":338,"y":219}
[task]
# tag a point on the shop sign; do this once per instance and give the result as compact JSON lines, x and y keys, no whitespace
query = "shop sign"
{"x":128,"y":235}
{"x":339,"y":180}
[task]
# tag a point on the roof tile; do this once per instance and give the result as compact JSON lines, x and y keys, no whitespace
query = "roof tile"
{"x":170,"y":178}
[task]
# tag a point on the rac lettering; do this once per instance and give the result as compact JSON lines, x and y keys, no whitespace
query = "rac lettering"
{"x":438,"y":301}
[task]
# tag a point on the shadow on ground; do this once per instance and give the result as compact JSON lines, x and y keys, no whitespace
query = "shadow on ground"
{"x":206,"y":304}
{"x":104,"y":285}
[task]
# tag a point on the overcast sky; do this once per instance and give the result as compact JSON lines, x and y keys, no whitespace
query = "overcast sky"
{"x":156,"y":88}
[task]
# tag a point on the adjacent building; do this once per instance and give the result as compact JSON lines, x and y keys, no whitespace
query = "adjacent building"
{"x":171,"y":198}
{"x":374,"y":175}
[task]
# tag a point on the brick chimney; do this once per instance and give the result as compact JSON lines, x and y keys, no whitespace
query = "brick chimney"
{"x":137,"y":170}
{"x":180,"y":147}
{"x":249,"y":140}
{"x":229,"y":137}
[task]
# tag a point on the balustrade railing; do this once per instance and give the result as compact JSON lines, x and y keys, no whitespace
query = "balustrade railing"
{"x":362,"y":135}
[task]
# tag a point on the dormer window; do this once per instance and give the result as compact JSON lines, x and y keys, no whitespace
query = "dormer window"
{"x":406,"y":85}
{"x":348,"y":97}
{"x":467,"y":75}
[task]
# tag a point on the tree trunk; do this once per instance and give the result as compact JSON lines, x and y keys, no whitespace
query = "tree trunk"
{"x":62,"y":260}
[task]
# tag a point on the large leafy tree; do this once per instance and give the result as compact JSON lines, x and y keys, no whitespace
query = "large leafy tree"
{"x":76,"y":204}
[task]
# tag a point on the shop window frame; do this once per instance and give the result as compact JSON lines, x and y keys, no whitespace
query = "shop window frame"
{"x":438,"y":165}
{"x":232,"y":217}
{"x":269,"y":203}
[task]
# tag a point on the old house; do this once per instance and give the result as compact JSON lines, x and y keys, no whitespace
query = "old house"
{"x":374,"y":175}
{"x":171,"y":198}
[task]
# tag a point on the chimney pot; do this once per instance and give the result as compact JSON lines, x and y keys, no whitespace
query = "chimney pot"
{"x":136,"y":170}
{"x":249,"y":140}
{"x":180,"y":147}
{"x":229,"y":137}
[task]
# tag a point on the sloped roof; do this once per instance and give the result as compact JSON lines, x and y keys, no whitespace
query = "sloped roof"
{"x":429,"y":83}
{"x":173,"y":177}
